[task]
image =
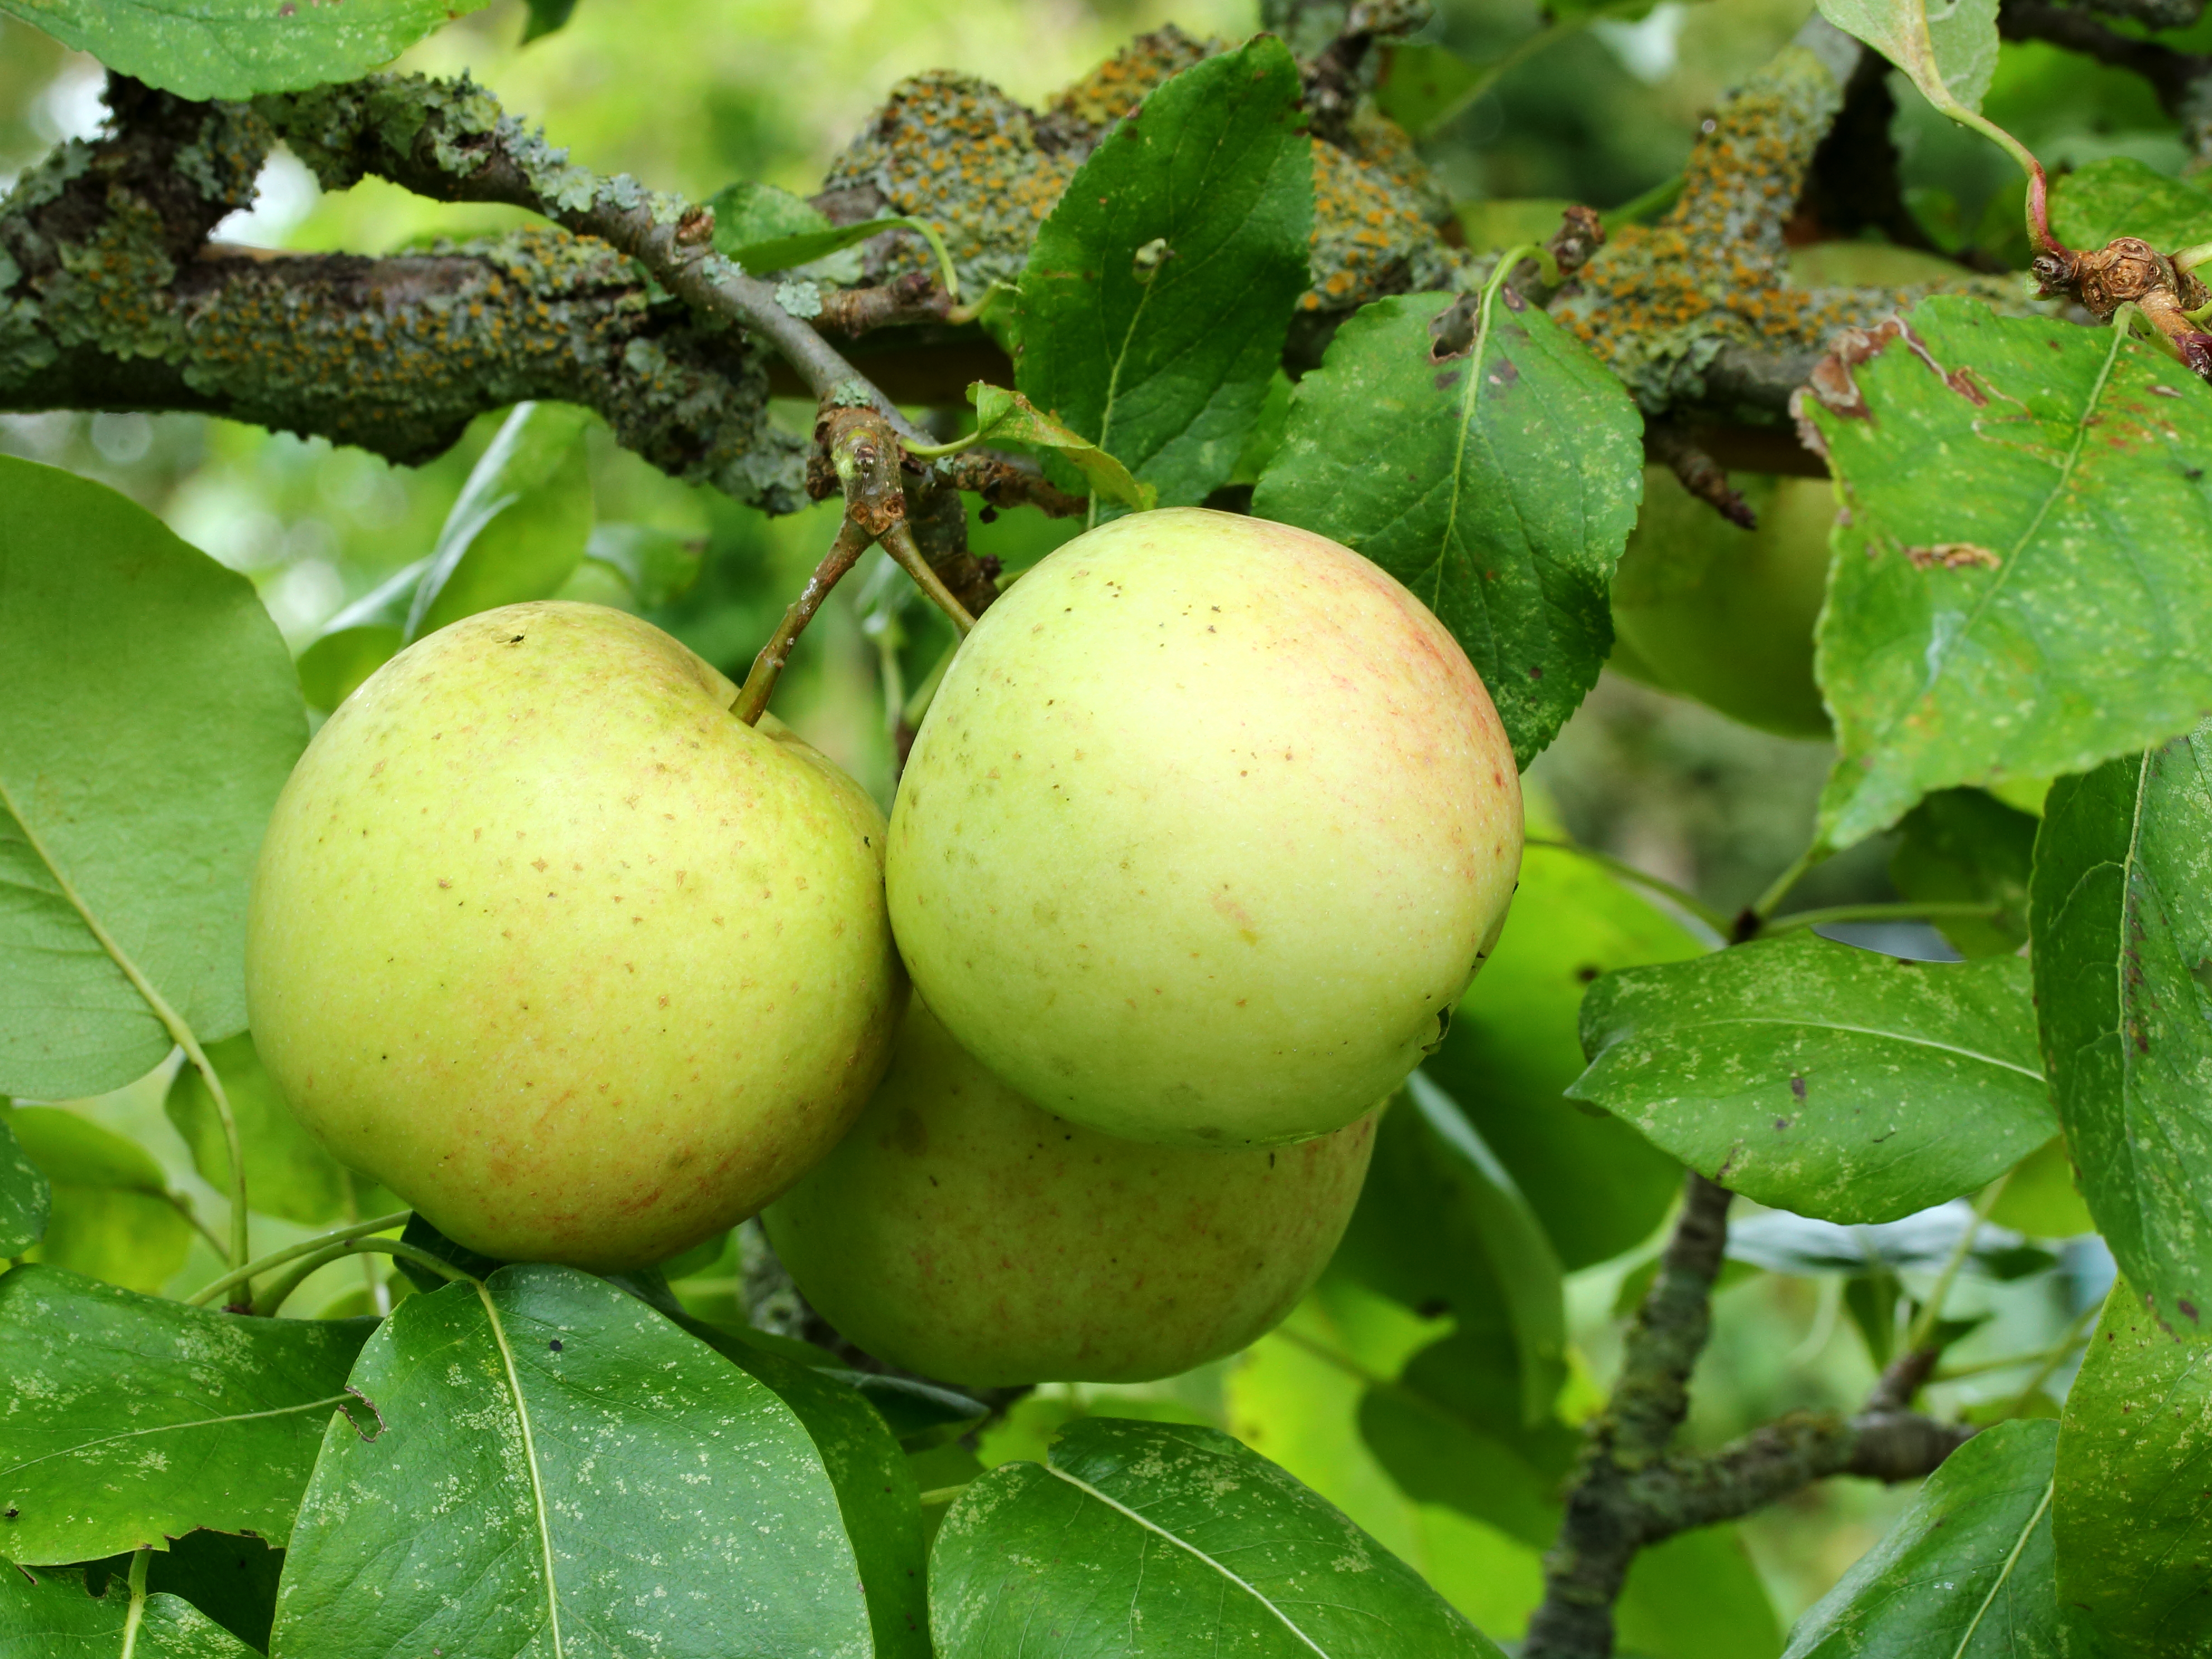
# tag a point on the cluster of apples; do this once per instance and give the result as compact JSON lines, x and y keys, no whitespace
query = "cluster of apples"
{"x":1207,"y":828}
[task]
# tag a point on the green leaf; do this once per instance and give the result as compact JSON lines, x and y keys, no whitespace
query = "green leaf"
{"x":766,"y":230}
{"x":546,"y":16}
{"x":2041,"y":1197}
{"x":1966,"y":1573}
{"x":2135,"y":1541}
{"x":231,"y":1579}
{"x":2123,"y":918}
{"x":1967,"y":845}
{"x":25,"y":1198}
{"x":1441,"y":1227}
{"x":877,"y":1496}
{"x":1817,"y":1078}
{"x":560,"y":1468}
{"x":1003,"y":417}
{"x":1123,"y":1544}
{"x":1423,"y":86}
{"x":112,"y":1216}
{"x":48,"y":1615}
{"x":1157,"y":296}
{"x":152,"y":715}
{"x":2120,"y":196}
{"x":133,"y":1418}
{"x":287,"y":1173}
{"x":1451,"y":1430}
{"x":1597,"y":1186}
{"x":919,"y":1414}
{"x":659,"y":566}
{"x":361,"y":639}
{"x":1500,"y":484}
{"x":520,"y":524}
{"x":2020,"y":588}
{"x":236,"y":48}
{"x":1948,"y":49}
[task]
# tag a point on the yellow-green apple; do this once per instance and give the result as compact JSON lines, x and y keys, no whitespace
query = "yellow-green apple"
{"x":1207,"y":828}
{"x":555,"y":946}
{"x":1725,"y":615}
{"x":961,"y":1232}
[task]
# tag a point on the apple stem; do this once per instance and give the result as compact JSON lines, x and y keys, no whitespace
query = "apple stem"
{"x":760,"y":683}
{"x":237,"y":1276}
{"x":279,"y":1291}
{"x":898,"y":542}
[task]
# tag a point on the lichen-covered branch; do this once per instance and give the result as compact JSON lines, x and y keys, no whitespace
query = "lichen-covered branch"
{"x":1630,"y":1490}
{"x":110,"y":298}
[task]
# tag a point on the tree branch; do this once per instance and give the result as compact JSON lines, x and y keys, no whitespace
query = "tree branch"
{"x":2182,"y":80}
{"x":1630,"y":1490}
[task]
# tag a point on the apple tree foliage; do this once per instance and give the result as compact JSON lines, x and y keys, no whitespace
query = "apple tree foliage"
{"x":523,"y":1458}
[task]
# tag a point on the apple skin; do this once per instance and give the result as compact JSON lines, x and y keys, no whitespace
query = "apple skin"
{"x":569,"y":957}
{"x":1208,"y":826}
{"x":960,"y":1232}
{"x":1708,"y":610}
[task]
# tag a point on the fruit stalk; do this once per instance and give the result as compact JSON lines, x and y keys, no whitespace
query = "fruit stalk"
{"x":760,"y":682}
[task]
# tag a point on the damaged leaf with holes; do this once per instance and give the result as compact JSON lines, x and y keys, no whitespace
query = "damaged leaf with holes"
{"x":2020,"y":586}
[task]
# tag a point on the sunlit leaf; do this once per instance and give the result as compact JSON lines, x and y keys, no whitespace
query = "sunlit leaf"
{"x":151,"y":717}
{"x":1158,"y":294}
{"x":1003,"y":417}
{"x":112,"y":1216}
{"x":236,"y":48}
{"x":1498,"y":483}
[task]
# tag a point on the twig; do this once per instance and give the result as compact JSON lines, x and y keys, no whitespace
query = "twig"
{"x":898,"y":542}
{"x":844,"y":553}
{"x":1605,"y":1524}
{"x":1923,"y":1322}
{"x":1630,"y":1491}
{"x":1668,"y":443}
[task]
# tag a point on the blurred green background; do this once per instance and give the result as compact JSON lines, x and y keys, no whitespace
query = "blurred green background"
{"x":694,"y":94}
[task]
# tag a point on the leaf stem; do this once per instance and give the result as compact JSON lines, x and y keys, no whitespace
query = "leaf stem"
{"x":943,"y":1494}
{"x":208,"y":1293}
{"x":1944,"y":910}
{"x":140,"y":1561}
{"x":1768,"y":902}
{"x":1916,"y":1336}
{"x":1627,"y":871}
{"x":279,"y":1292}
{"x":241,"y":1249}
{"x":898,"y":542}
{"x":760,"y":682}
{"x":1493,"y":73}
{"x":2040,"y":1356}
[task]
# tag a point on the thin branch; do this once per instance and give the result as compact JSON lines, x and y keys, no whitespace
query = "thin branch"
{"x":2181,"y":80}
{"x":844,"y":553}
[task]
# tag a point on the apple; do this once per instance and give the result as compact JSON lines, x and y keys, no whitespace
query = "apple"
{"x":961,"y":1232}
{"x":1725,"y":615}
{"x":1207,"y":828}
{"x":549,"y":942}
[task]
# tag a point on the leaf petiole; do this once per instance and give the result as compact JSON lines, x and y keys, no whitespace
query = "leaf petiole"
{"x":253,"y":1270}
{"x":278,"y":1293}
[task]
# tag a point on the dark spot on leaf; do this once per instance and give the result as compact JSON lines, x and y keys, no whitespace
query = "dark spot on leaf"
{"x":516,"y":640}
{"x":1797,"y":1087}
{"x":1588,"y":972}
{"x":555,"y":1344}
{"x":1447,"y":380}
{"x":1504,"y":374}
{"x":12,"y":1512}
{"x":1781,"y":1124}
{"x":1536,"y":673}
{"x":1513,"y":301}
{"x":2188,"y":1310}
